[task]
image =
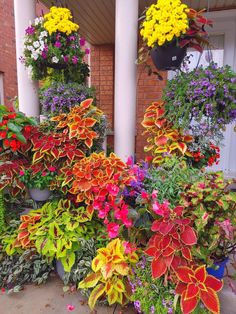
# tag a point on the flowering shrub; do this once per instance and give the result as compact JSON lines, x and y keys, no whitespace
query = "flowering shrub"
{"x":12,"y":125}
{"x":110,"y":268}
{"x":61,"y":97}
{"x":52,"y":41}
{"x":206,"y":96}
{"x":164,"y":140}
{"x":33,"y":177}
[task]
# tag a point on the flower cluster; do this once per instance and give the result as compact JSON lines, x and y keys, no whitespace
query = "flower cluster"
{"x":52,"y":42}
{"x":206,"y":96}
{"x":165,"y":20}
{"x":58,"y":19}
{"x":208,"y":157}
{"x":61,"y":97}
{"x":12,"y":126}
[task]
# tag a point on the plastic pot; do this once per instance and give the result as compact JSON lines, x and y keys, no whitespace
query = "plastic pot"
{"x":39,"y":195}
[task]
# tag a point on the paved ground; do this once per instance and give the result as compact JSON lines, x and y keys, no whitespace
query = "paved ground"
{"x":49,"y":299}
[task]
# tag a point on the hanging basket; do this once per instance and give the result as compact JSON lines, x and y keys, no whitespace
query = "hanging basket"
{"x":168,"y":57}
{"x":57,"y":66}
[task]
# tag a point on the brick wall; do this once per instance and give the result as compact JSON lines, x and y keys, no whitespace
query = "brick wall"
{"x":8,"y":51}
{"x":149,"y":89}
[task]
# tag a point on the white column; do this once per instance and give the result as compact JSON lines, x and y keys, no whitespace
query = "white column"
{"x":27,"y":89}
{"x":126,"y":36}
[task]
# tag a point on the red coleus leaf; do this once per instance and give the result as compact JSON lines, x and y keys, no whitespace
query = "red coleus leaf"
{"x":200,"y":273}
{"x":213,"y":283}
{"x":191,"y":291}
{"x":151,"y":251}
{"x":161,"y":140}
{"x":86,"y":103}
{"x":210,"y":300}
{"x":164,"y":227}
{"x":188,"y":305}
{"x":188,"y":236}
{"x":159,"y":267}
{"x":183,"y":273}
{"x":186,"y":253}
{"x":22,"y":235}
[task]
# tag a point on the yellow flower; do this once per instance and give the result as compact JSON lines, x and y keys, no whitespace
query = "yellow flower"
{"x":58,"y":19}
{"x":165,"y":20}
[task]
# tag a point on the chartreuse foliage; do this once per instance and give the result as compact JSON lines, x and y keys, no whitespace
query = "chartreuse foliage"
{"x":110,"y":268}
{"x":54,"y":231}
{"x":164,"y":140}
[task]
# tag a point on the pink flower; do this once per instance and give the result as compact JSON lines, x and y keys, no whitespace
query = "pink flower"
{"x":113,"y":230}
{"x":154,"y":194}
{"x":70,"y":307}
{"x":66,"y":59}
{"x":52,"y":169}
{"x":130,"y":161}
{"x":21,"y":173}
{"x":3,"y":290}
{"x":82,"y":42}
{"x":112,"y":189}
{"x":57,"y":44}
{"x":74,"y":59}
{"x":144,"y":195}
{"x":44,"y":174}
{"x":103,"y":212}
{"x":129,"y":247}
{"x":157,"y":208}
{"x":87,"y":51}
{"x":201,"y":185}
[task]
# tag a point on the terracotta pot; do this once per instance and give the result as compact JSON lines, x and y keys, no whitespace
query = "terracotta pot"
{"x":39,"y":195}
{"x":168,"y":57}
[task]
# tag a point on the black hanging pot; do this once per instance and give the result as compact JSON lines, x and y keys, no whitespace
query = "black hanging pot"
{"x":58,"y":66}
{"x":168,"y":57}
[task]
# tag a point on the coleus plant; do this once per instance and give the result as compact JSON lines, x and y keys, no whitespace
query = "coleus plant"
{"x":196,"y":285}
{"x":79,"y":122}
{"x":54,"y":231}
{"x":99,"y":182}
{"x":12,"y":125}
{"x":111,"y":267}
{"x":211,"y":206}
{"x":163,"y":140}
{"x":171,"y":244}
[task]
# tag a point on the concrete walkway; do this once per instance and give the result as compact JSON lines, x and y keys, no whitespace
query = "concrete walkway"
{"x":49,"y":298}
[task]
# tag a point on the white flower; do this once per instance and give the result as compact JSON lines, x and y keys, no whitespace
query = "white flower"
{"x":30,"y":48}
{"x":36,"y":44}
{"x":35,"y":55}
{"x":55,"y":60}
{"x":38,"y":20}
{"x":43,"y":34}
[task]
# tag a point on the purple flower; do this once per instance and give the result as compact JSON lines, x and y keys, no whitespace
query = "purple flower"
{"x":66,"y":59}
{"x":44,"y":54}
{"x":137,"y":306}
{"x":30,"y":30}
{"x":57,"y":44}
{"x":82,"y":42}
{"x":74,"y":59}
{"x":72,"y":38}
{"x":152,"y":309}
{"x":87,"y":51}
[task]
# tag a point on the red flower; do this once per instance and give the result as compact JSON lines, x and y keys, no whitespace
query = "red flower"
{"x":52,"y":169}
{"x":197,"y":284}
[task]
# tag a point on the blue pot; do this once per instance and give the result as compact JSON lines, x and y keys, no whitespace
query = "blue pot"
{"x":219,"y":269}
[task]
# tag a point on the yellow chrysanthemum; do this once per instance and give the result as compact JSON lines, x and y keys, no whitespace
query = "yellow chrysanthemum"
{"x":58,"y":19}
{"x":165,"y":20}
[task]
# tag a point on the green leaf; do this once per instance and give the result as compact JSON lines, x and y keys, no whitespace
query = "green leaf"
{"x":20,"y":137}
{"x":13,"y":127}
{"x":68,"y":261}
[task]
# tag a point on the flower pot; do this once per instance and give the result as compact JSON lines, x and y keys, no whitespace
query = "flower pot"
{"x":39,"y":195}
{"x":168,"y":57}
{"x":60,"y":269}
{"x":219,"y":270}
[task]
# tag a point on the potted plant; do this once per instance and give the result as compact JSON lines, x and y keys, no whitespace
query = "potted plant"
{"x":168,"y":29}
{"x":38,"y":181}
{"x":53,"y":46}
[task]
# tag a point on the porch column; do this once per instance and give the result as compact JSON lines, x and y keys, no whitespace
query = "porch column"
{"x":126,"y":37}
{"x":27,"y":89}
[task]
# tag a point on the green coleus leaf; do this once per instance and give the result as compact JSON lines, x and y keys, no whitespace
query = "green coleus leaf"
{"x":13,"y":127}
{"x":68,"y":261}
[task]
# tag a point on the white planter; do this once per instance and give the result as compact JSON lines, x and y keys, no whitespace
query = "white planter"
{"x":39,"y":195}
